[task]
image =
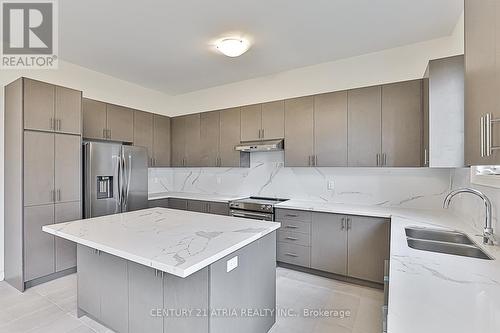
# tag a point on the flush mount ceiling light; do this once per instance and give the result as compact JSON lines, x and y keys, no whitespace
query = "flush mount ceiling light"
{"x":232,"y":47}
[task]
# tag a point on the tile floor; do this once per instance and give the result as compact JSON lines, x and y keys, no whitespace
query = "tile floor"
{"x":51,"y":307}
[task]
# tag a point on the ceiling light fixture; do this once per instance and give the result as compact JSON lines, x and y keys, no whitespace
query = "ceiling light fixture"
{"x":232,"y":47}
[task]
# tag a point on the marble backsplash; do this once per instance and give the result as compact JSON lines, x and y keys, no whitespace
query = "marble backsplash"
{"x":402,"y":187}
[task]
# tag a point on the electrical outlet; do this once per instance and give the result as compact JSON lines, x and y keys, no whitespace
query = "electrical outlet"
{"x":231,"y":264}
{"x":330,"y":185}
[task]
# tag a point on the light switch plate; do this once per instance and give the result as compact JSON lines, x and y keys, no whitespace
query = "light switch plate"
{"x":232,"y":264}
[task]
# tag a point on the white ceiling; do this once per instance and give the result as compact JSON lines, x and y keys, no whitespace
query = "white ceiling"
{"x":165,"y":44}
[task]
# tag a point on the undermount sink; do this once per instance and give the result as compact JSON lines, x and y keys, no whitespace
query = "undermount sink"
{"x":444,"y":241}
{"x":439,"y":235}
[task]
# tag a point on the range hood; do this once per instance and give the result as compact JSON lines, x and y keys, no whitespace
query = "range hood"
{"x":264,"y":145}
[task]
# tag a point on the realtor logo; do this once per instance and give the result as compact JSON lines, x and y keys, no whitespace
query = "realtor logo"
{"x":29,"y":34}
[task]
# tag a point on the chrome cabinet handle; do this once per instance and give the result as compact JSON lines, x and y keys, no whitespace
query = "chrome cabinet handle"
{"x":425,"y":157}
{"x":488,"y":134}
{"x":104,"y":133}
{"x":289,"y":226}
{"x":342,"y":223}
{"x":53,"y":195}
{"x":482,"y":138}
{"x":291,"y":215}
{"x":109,"y":133}
{"x":384,"y":159}
{"x":58,"y":194}
{"x":378,"y":159}
{"x":51,"y":123}
{"x":291,"y":254}
{"x":263,"y":134}
{"x":349,"y":224}
{"x":291,"y":238}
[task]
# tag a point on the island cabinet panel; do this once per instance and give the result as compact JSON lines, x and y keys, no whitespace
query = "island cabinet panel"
{"x":145,"y":290}
{"x":329,"y":243}
{"x":39,"y":246}
{"x":256,"y":271}
{"x":65,"y":251}
{"x":161,"y":141}
{"x":192,"y":293}
{"x":89,"y":282}
{"x":364,"y":127}
{"x":299,"y":132}
{"x":368,"y":240}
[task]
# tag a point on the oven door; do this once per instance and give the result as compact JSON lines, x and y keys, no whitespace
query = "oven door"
{"x":252,"y":215}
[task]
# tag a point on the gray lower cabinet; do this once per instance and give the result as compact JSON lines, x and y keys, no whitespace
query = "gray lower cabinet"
{"x":329,"y":243}
{"x":218,"y":208}
{"x":145,"y":292}
{"x":368,"y":247}
{"x":38,"y":245}
{"x":103,"y":287}
{"x":197,"y":206}
{"x":176,"y":203}
{"x":65,"y":251}
{"x":158,"y":203}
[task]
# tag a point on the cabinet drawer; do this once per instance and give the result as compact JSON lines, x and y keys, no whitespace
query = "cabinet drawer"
{"x":158,"y":203}
{"x":294,"y":254}
{"x":294,"y":238}
{"x":176,"y":203}
{"x":291,"y":214}
{"x":296,"y":226}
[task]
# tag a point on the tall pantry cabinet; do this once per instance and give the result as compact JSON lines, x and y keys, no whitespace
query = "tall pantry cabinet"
{"x":43,"y":125}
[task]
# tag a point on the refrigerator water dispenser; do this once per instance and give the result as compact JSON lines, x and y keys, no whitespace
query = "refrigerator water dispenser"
{"x":104,"y":187}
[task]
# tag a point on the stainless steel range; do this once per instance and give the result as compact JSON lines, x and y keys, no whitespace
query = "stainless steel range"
{"x":257,"y":208}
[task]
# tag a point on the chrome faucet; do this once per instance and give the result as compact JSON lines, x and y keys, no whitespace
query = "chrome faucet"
{"x":488,"y":236}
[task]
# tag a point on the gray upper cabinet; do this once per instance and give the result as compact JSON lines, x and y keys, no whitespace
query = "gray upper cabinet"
{"x":402,"y":124}
{"x":65,"y":251}
{"x":482,"y":64}
{"x":143,"y":132}
{"x":39,"y":246}
{"x":330,"y":129}
{"x":161,"y":141}
{"x":38,"y":105}
{"x":230,"y":123}
{"x":51,"y":108}
{"x":273,"y":120}
{"x":68,"y":110}
{"x":38,"y":168}
{"x":186,"y":141}
{"x":329,"y":243}
{"x":368,"y":247}
{"x":120,"y":123}
{"x":364,"y":127}
{"x":67,"y":168}
{"x":251,"y":122}
{"x":94,"y":119}
{"x":209,"y":138}
{"x":299,"y":132}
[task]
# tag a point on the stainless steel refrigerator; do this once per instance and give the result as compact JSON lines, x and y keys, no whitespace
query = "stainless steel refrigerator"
{"x":115,"y":178}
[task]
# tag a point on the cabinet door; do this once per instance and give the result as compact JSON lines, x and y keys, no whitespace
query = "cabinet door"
{"x":38,"y":245}
{"x":424,"y":159}
{"x":178,"y":141}
{"x":114,"y":291}
{"x":68,"y":167}
{"x":89,"y":282}
{"x":197,"y":206}
{"x":161,"y":141}
{"x":65,"y":254}
{"x":218,"y":208}
{"x":329,"y":243}
{"x":68,"y":110}
{"x":299,"y":131}
{"x":192,"y":132}
{"x":143,"y":132}
{"x":38,"y":105}
{"x":176,"y":203}
{"x":273,"y":120}
{"x":145,"y":290}
{"x":251,"y":122}
{"x":330,"y":129}
{"x":38,"y":168}
{"x":368,"y":240}
{"x":209,"y":139}
{"x":402,"y":124}
{"x":364,"y":126}
{"x":94,"y":119}
{"x":229,"y":137}
{"x":120,"y":123}
{"x":481,"y":76}
{"x":163,"y":203}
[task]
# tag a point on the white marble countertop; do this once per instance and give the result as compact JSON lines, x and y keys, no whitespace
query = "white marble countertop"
{"x":194,"y":196}
{"x":428,"y":291}
{"x":173,"y":241}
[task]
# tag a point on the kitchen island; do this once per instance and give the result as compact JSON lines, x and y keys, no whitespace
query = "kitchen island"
{"x":163,"y":270}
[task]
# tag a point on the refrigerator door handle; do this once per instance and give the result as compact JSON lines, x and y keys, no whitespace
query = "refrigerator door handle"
{"x":119,"y":176}
{"x":129,"y":174}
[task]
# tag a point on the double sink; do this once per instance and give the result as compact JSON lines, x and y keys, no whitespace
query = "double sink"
{"x":444,"y":241}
